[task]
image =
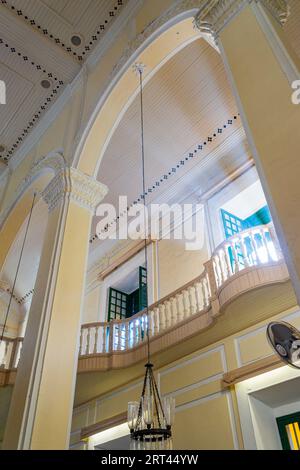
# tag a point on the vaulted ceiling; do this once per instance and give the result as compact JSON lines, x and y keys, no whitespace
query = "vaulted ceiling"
{"x":186,"y":102}
{"x":43,"y":44}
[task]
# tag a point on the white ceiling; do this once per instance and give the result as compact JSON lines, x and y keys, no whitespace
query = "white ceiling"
{"x":35,"y":44}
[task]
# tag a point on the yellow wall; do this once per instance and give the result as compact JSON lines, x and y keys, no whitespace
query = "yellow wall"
{"x":177,"y":266}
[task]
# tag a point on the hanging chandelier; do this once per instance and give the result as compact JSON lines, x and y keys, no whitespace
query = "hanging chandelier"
{"x":151,"y":418}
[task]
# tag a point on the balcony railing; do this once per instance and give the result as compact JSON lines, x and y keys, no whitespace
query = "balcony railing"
{"x":194,"y":304}
{"x":252,"y":247}
{"x":120,"y":335}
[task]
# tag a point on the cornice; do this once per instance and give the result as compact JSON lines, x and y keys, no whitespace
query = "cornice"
{"x":81,"y":189}
{"x":218,"y":13}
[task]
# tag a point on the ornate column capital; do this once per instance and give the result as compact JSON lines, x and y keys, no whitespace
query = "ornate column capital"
{"x":217,"y":13}
{"x":71,"y":183}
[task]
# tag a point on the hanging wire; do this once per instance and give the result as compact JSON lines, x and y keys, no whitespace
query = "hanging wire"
{"x":18,"y":268}
{"x":140,"y":70}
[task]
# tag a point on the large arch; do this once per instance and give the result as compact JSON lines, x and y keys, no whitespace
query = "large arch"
{"x":14,"y":215}
{"x":162,"y":39}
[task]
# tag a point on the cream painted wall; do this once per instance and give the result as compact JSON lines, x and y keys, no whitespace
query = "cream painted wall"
{"x":91,"y":308}
{"x":177,"y":266}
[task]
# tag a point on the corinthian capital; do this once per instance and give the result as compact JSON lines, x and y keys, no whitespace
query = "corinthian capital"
{"x":71,"y":183}
{"x":217,"y":13}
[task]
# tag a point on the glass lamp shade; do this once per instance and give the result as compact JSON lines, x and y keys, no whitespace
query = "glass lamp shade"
{"x":169,"y":410}
{"x":148,"y":415}
{"x":132,"y":414}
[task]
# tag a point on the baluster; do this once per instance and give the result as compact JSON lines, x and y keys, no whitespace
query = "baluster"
{"x":88,"y":339}
{"x":80,"y":341}
{"x":127,"y":335}
{"x":228,"y":260}
{"x":207,"y":292}
{"x":96,"y":340}
{"x":151,"y":323}
{"x":192,"y":299}
{"x":244,"y":252}
{"x":4,"y":360}
{"x":162,"y":318}
{"x":216,"y":271}
{"x":199,"y":298}
{"x":204,"y":295}
{"x":168,"y":313}
{"x":174,"y":310}
{"x":111,"y":336}
{"x":186,"y":303}
{"x":119,"y":336}
{"x":140,"y":329}
{"x":255,"y":246}
{"x":236,"y":266}
{"x":224,"y":269}
{"x":13,"y":354}
{"x":223,"y":264}
{"x":219,"y":269}
{"x":180,"y":307}
{"x":265,"y":245}
{"x":156,"y":319}
{"x":104,"y":339}
{"x":145,"y":327}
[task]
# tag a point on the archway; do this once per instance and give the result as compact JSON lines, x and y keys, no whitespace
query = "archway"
{"x":159,"y":42}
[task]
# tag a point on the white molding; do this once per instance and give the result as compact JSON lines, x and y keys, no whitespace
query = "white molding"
{"x":81,"y":189}
{"x":220,"y":348}
{"x":188,"y":388}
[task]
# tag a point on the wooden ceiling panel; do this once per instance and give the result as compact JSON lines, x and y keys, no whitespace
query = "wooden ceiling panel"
{"x":35,"y":44}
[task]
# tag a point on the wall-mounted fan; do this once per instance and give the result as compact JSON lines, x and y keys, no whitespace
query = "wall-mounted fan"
{"x":285,"y":340}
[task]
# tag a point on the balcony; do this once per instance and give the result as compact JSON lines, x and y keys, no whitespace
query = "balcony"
{"x":247,"y":261}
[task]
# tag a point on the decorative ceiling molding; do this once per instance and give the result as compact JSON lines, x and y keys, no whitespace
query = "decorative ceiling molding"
{"x":35,"y":118}
{"x":85,"y":191}
{"x":57,"y":83}
{"x":58,"y":41}
{"x":218,"y":13}
{"x":280,"y":9}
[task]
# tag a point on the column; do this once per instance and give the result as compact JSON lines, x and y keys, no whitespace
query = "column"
{"x":41,"y":407}
{"x":261,"y":67}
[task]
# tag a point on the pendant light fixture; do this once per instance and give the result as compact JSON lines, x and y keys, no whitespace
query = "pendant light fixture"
{"x":149,"y":420}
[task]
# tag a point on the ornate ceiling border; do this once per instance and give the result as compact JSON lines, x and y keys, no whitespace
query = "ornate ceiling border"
{"x":59,"y":42}
{"x":38,"y":114}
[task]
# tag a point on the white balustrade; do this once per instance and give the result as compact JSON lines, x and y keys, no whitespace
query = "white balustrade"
{"x":252,"y":247}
